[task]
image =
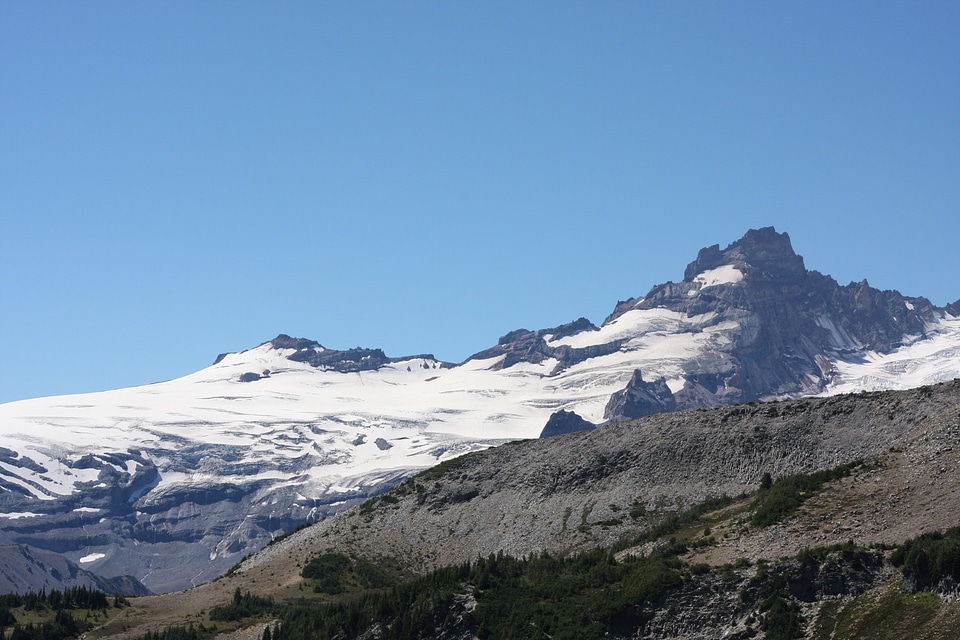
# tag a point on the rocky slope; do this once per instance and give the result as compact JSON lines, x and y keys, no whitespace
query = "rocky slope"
{"x":579,"y":491}
{"x":576,"y":492}
{"x":177,"y":481}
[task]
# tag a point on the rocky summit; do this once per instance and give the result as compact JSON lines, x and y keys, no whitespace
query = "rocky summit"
{"x":174,"y":483}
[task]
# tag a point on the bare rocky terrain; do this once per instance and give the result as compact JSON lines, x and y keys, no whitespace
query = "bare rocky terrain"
{"x":593,"y":489}
{"x":915,"y":490}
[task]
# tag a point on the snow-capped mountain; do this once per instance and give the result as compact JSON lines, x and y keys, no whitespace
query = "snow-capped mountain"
{"x":175,"y":482}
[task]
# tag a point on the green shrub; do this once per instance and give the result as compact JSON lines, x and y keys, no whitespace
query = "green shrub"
{"x":575,"y":598}
{"x":7,"y":619}
{"x":244,"y":605}
{"x":325,"y":564}
{"x":336,"y":573}
{"x":438,"y":471}
{"x":786,"y":495}
{"x":64,"y":625}
{"x":930,"y":558}
{"x":781,"y":620}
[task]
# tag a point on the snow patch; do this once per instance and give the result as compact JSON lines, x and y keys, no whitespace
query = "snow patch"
{"x":93,"y":557}
{"x":676,"y":384}
{"x":633,"y":324}
{"x":724,"y":274}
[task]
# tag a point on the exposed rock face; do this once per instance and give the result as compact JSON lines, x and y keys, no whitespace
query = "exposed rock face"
{"x":791,"y":323}
{"x":563,"y":422}
{"x":640,"y":399}
{"x":173,"y":536}
{"x":349,"y":361}
{"x":764,"y":250}
{"x":783,"y":327}
{"x":720,"y":605}
{"x":283,"y":341}
{"x":531,"y":346}
{"x":345,"y":361}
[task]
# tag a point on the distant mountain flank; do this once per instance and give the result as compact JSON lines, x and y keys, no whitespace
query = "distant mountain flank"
{"x":175,"y":482}
{"x":23,"y":570}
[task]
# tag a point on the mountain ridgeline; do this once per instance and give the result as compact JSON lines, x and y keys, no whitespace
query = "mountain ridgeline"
{"x":789,"y":325}
{"x":174,"y":483}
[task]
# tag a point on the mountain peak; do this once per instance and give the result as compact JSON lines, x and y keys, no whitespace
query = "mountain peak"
{"x":767,"y":251}
{"x":283,"y":341}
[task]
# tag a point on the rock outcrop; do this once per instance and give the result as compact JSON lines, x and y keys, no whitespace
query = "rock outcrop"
{"x":533,"y":347}
{"x":640,"y":399}
{"x":563,"y":422}
{"x":344,"y":361}
{"x":790,"y":323}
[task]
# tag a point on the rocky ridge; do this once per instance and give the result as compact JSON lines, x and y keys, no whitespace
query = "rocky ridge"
{"x":210,"y":467}
{"x":563,"y":422}
{"x":589,"y":489}
{"x":792,"y":322}
{"x":640,"y":398}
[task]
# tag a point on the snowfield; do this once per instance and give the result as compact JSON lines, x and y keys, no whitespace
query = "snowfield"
{"x":928,"y":360}
{"x":406,"y":415}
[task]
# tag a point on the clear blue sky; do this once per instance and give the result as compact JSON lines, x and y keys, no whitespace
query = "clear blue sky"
{"x":180,"y":179}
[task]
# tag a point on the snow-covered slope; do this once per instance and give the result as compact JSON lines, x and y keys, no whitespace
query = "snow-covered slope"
{"x":922,"y":360}
{"x":175,"y":482}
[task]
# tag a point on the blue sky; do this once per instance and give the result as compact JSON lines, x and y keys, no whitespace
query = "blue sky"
{"x":180,"y":179}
